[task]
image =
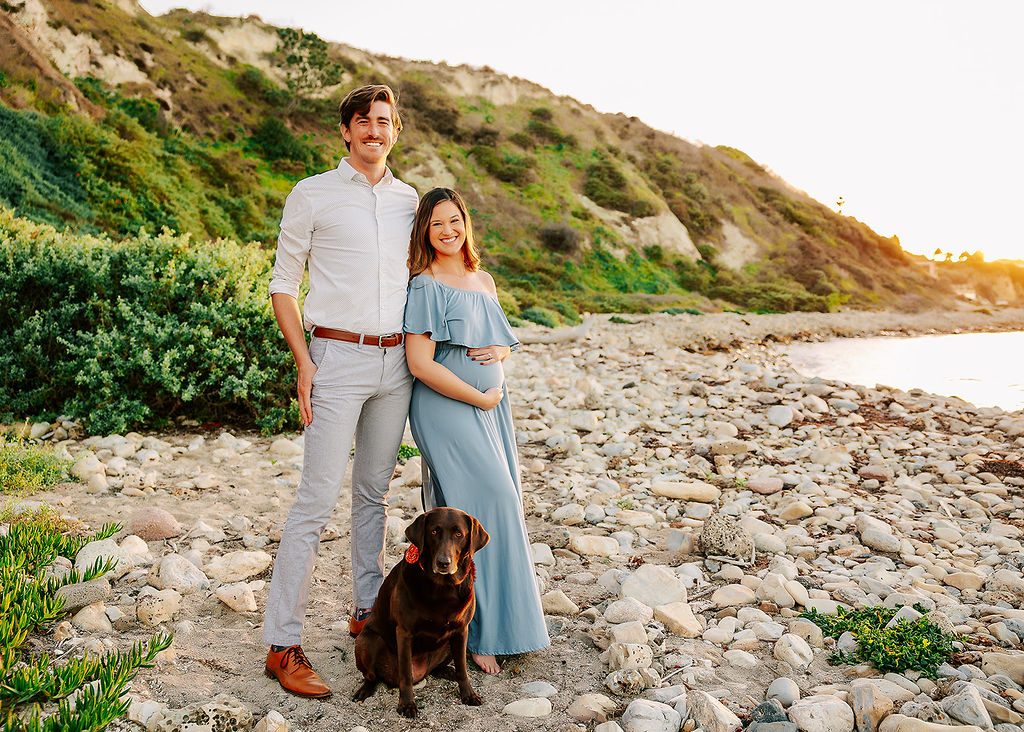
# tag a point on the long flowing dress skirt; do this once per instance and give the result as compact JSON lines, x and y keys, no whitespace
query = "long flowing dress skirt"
{"x":471,"y":457}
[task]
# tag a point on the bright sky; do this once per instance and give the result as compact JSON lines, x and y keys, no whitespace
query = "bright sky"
{"x":911,"y":110}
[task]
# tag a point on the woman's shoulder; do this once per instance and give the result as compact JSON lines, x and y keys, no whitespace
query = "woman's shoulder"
{"x":487,"y":281}
{"x":422,"y":281}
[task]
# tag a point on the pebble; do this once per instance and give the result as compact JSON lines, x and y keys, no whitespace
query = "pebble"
{"x":822,"y":713}
{"x":556,"y":602}
{"x":539,"y":688}
{"x":152,"y":524}
{"x":794,"y":650}
{"x":644,"y":715}
{"x":710,"y":714}
{"x":654,"y":585}
{"x":628,"y":609}
{"x":783,"y":689}
{"x":591,"y":708}
{"x":732,"y":595}
{"x":238,"y":565}
{"x":238,"y":596}
{"x":534,"y":706}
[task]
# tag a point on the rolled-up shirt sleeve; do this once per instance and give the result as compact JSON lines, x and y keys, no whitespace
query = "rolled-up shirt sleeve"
{"x":293,"y":243}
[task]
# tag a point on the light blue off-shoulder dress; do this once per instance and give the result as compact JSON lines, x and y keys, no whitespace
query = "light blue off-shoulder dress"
{"x":470,"y":454}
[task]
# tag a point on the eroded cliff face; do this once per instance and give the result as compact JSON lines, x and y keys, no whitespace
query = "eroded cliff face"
{"x":77,"y":54}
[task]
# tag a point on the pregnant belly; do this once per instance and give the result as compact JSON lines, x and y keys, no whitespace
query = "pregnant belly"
{"x":480,"y":377}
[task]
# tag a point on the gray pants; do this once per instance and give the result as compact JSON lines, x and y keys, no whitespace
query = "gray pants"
{"x":359,"y":392}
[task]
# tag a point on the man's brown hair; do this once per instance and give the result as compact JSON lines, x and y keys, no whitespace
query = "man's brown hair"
{"x":359,"y":101}
{"x":421,"y":253}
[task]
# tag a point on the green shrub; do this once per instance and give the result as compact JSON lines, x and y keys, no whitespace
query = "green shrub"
{"x":430,"y":108}
{"x":919,"y":645}
{"x":254,"y":84}
{"x":567,"y":310}
{"x":26,"y":467}
{"x":620,"y":320}
{"x":682,"y":311}
{"x":485,"y":135}
{"x":509,"y":168}
{"x":274,"y":141}
{"x":142,"y":329}
{"x":542,"y":316}
{"x":605,"y":185}
{"x":548,"y":132}
{"x":522,"y":139}
{"x":509,"y":304}
{"x":560,"y":238}
{"x":776,"y":296}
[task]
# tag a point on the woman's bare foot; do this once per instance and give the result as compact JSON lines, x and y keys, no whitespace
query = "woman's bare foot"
{"x":488,"y":664}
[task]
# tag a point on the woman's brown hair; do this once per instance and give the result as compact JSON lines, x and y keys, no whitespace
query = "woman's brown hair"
{"x":421,"y":254}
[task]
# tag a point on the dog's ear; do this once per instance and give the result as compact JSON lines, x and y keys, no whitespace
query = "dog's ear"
{"x":415,"y":531}
{"x":478,"y":538}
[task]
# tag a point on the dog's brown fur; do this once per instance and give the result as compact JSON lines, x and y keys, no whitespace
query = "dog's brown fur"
{"x":422,"y":613}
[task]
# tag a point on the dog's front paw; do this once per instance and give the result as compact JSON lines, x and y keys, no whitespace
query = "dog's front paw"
{"x":472,"y":699}
{"x":365,"y":691}
{"x":408,"y":709}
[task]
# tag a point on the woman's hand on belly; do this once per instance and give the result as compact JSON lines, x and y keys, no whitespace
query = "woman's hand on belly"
{"x":488,"y":355}
{"x":492,"y":397}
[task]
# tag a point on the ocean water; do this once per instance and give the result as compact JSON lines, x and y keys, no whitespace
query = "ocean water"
{"x":986,"y":369}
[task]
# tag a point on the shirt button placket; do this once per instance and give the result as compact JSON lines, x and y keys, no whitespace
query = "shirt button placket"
{"x":380,"y":262}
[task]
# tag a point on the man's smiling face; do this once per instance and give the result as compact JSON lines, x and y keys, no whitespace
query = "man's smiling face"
{"x":371,"y":136}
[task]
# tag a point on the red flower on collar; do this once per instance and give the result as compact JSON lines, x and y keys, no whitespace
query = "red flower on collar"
{"x":412,"y":554}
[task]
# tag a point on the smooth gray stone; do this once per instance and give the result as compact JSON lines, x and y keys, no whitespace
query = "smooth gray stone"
{"x":769,"y":711}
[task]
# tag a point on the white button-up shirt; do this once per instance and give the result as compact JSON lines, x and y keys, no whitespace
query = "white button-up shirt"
{"x":356,"y":239}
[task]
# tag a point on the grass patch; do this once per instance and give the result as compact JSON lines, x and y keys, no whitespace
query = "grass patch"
{"x":26,"y":467}
{"x":919,"y":645}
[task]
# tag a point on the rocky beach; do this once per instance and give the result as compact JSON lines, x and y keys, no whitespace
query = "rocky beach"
{"x":689,"y":496}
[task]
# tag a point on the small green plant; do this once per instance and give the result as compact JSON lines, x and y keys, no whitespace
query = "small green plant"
{"x":407,"y":451}
{"x":682,"y":311}
{"x":542,"y":316}
{"x":621,"y":321}
{"x":626,"y":504}
{"x":918,"y":645}
{"x":25,"y":466}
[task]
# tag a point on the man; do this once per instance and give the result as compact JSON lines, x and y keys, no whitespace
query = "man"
{"x":352,"y":225}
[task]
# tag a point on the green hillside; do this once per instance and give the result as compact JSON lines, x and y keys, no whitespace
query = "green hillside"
{"x":205,"y":133}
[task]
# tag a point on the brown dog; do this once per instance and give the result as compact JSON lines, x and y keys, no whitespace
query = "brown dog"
{"x":422,"y":613}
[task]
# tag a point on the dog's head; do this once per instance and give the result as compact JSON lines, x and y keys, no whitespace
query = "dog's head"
{"x":446,"y":539}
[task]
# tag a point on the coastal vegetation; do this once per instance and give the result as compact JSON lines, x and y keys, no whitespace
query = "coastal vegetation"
{"x":38,"y":692}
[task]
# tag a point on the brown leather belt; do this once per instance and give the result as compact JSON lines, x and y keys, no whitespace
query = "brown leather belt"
{"x":384,"y":341}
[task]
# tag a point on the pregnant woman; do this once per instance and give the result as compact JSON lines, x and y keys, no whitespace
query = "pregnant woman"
{"x":457,"y":337}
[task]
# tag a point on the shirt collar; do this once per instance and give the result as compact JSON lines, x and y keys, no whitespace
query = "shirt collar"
{"x":349,"y":173}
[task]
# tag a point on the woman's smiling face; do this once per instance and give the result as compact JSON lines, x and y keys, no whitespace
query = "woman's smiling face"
{"x":447,"y":229}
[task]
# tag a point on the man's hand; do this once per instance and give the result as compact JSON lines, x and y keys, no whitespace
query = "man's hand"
{"x":305,"y":387}
{"x":489,"y":354}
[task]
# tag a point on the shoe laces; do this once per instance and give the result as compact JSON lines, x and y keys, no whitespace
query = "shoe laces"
{"x":295,"y":655}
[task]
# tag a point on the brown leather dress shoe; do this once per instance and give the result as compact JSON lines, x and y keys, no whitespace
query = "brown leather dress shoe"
{"x":295,"y":673}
